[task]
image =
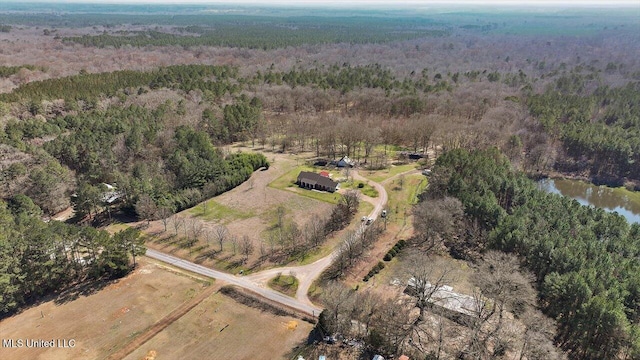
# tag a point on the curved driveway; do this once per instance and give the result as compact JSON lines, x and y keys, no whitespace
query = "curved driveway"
{"x":306,"y":274}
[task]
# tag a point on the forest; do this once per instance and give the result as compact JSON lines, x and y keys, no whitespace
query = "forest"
{"x":585,"y":260}
{"x":154,"y":105}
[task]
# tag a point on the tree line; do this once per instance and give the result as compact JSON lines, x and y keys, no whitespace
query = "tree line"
{"x":89,"y":87}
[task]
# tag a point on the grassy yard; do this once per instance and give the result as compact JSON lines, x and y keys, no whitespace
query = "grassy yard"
{"x":212,"y":210}
{"x":288,"y":180}
{"x":366,"y":189}
{"x":285,"y":284}
{"x":381,"y":175}
{"x":402,"y":198}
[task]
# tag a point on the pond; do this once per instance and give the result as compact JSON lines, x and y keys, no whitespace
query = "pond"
{"x":620,"y":200}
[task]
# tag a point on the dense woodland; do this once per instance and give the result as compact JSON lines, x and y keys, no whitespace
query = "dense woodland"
{"x":493,"y":99}
{"x":585,"y":260}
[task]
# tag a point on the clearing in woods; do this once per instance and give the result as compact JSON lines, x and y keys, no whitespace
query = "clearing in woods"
{"x":248,"y":210}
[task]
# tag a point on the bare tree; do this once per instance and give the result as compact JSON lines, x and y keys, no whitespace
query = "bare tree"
{"x":221,"y":233}
{"x":207,"y":236}
{"x":177,"y":221}
{"x":246,"y":247}
{"x":280,"y":213}
{"x":427,"y":278}
{"x":314,"y":231}
{"x":537,"y":339}
{"x":233,"y":239}
{"x":196,"y":228}
{"x":502,"y":288}
{"x":351,"y":199}
{"x":436,"y":220}
{"x":338,"y":300}
{"x":164,"y":212}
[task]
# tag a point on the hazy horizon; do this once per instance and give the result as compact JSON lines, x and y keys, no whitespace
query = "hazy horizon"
{"x":353,"y":3}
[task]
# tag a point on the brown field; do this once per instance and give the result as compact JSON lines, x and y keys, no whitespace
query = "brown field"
{"x":220,"y":328}
{"x":103,"y":321}
{"x":109,"y":319}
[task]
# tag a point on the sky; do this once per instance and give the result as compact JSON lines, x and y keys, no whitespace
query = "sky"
{"x":386,"y":3}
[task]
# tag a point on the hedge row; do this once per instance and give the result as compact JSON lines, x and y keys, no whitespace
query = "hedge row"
{"x":394,"y":250}
{"x":376,"y":269}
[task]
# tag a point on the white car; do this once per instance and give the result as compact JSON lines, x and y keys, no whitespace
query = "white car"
{"x":384,"y":213}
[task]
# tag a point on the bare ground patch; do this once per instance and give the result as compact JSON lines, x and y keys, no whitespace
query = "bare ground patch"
{"x":103,"y":322}
{"x":221,"y":328}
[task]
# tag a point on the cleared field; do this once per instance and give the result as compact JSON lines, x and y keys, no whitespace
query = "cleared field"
{"x":212,"y":210}
{"x":248,"y":210}
{"x":220,"y":328}
{"x":102,"y":321}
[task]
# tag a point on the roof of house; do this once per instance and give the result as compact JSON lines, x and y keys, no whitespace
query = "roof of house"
{"x":313,"y":179}
{"x":444,"y":296}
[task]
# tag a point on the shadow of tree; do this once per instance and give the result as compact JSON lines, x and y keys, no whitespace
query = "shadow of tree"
{"x":82,"y":290}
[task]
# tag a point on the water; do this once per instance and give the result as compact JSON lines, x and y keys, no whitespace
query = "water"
{"x":622,"y":201}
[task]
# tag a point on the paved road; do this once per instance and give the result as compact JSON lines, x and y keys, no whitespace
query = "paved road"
{"x":235,"y":280}
{"x":306,"y":274}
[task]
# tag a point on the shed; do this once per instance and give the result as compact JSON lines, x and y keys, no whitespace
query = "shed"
{"x":345,"y":162}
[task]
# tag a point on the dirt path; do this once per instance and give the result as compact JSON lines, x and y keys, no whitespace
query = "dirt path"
{"x":307,"y":274}
{"x":162,"y":324}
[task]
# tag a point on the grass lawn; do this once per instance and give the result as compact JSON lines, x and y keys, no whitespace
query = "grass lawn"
{"x":285,"y":284}
{"x":381,"y":175}
{"x":366,"y":189}
{"x":288,"y":180}
{"x":212,"y":210}
{"x":401,"y":199}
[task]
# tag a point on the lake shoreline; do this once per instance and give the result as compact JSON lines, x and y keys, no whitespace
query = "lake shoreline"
{"x":628,"y":184}
{"x":613,"y":199}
